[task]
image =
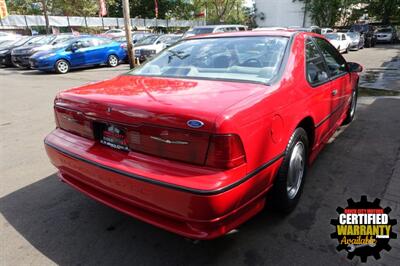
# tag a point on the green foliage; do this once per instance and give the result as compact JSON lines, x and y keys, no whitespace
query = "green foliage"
{"x":326,"y":13}
{"x":386,"y":11}
{"x":218,"y":11}
{"x":23,"y":7}
{"x":54,"y":7}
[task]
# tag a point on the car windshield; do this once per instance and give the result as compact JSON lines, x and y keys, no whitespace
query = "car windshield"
{"x":254,"y":59}
{"x":385,"y":30}
{"x":64,"y":43}
{"x":353,"y":35}
{"x":359,"y":28}
{"x":45,"y":40}
{"x":169,"y":39}
{"x":332,"y":36}
{"x":197,"y":31}
{"x":147,"y":40}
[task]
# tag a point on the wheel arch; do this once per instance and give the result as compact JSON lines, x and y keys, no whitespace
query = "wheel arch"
{"x":307,"y":123}
{"x":62,"y":58}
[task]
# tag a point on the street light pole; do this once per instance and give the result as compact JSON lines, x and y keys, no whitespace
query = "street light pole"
{"x":128,"y":33}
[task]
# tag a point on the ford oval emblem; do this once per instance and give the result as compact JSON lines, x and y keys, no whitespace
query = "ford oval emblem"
{"x":195,"y":123}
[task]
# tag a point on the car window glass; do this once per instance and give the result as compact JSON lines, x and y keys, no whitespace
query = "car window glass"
{"x":335,"y":62}
{"x":241,"y":58}
{"x":315,"y":66}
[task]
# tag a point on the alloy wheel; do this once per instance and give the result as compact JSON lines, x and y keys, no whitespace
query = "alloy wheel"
{"x":112,"y":60}
{"x":296,"y":170}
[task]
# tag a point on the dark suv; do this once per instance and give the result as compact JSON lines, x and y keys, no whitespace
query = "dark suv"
{"x":368,"y":31}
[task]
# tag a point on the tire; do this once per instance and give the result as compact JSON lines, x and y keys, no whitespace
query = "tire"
{"x":347,"y":50}
{"x":61,"y":66}
{"x":112,"y":60}
{"x":367,"y":43}
{"x":351,"y":112}
{"x":289,"y":182}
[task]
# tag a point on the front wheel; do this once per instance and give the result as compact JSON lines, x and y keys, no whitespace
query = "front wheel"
{"x":62,"y":66}
{"x":290,"y":179}
{"x":352,"y":108}
{"x":112,"y":61}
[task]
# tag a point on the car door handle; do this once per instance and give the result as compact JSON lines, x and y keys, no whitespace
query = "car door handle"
{"x":334,"y":92}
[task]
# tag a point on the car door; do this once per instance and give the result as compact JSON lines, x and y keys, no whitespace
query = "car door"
{"x":321,"y":90}
{"x":76,"y":53}
{"x":339,"y":77}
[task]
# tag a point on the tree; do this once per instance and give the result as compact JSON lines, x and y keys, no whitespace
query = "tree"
{"x":387,"y":11}
{"x":323,"y":13}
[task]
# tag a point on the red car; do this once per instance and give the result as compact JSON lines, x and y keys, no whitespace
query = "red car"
{"x":193,"y":140}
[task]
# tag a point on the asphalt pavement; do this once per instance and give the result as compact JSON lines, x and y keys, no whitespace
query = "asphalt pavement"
{"x":45,"y":222}
{"x":381,"y":66}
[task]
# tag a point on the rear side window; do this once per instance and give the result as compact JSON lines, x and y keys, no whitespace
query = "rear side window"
{"x":315,"y":66}
{"x":336,"y":63}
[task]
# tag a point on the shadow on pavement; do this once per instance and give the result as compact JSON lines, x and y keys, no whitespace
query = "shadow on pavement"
{"x":385,"y":77}
{"x":70,"y":228}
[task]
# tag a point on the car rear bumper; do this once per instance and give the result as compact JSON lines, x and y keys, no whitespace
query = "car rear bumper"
{"x":193,"y":212}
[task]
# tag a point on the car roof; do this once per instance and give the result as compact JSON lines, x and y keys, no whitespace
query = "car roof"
{"x":285,"y":33}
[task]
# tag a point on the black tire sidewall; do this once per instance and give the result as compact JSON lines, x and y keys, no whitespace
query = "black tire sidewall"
{"x":349,"y":117}
{"x":280,"y":198}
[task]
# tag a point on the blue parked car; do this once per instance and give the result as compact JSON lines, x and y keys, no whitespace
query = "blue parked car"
{"x":79,"y":52}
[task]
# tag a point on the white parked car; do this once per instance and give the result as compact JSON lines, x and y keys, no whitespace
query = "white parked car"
{"x":388,"y":34}
{"x":269,"y":28}
{"x":152,"y":45}
{"x":6,"y":36}
{"x":326,"y":31}
{"x":213,"y":29}
{"x":340,"y":40}
{"x":115,"y":33}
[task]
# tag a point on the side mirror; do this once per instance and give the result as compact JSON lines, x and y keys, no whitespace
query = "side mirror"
{"x":354,"y":67}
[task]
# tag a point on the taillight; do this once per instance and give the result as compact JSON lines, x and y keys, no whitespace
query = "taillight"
{"x":124,"y":45}
{"x":225,"y":151}
{"x":74,"y":122}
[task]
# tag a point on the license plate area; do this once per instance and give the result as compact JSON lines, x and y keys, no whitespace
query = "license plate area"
{"x":111,"y":135}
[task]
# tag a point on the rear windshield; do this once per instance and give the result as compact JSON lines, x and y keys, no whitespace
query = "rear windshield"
{"x":359,"y":28}
{"x":148,"y":40}
{"x":235,"y":58}
{"x":353,"y":34}
{"x":332,"y":36}
{"x":198,"y":31}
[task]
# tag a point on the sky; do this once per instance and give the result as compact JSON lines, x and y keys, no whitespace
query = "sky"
{"x":248,"y":3}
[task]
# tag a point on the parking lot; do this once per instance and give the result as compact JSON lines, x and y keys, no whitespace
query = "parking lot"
{"x":45,"y":222}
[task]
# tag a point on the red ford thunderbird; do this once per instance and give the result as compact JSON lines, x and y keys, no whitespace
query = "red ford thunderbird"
{"x":193,"y":140}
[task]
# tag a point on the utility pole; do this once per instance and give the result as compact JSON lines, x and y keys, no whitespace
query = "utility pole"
{"x":46,"y":18}
{"x":128,"y":33}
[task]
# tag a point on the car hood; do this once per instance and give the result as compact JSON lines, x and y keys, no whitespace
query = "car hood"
{"x":163,"y":101}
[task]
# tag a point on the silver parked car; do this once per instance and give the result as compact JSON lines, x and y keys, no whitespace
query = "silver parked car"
{"x":357,"y":40}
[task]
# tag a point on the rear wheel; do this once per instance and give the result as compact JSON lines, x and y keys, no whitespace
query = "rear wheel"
{"x":290,"y":179}
{"x":62,"y":66}
{"x":112,"y":60}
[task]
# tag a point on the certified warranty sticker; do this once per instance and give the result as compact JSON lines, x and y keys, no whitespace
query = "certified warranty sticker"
{"x":363,"y":229}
